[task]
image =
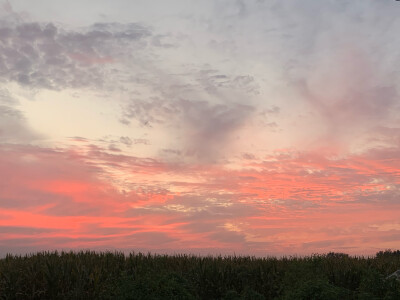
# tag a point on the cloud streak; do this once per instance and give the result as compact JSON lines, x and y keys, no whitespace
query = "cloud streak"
{"x":294,"y":203}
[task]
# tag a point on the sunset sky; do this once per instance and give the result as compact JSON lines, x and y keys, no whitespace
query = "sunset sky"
{"x":207,"y":127}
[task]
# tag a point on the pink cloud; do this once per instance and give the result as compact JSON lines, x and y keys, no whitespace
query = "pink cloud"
{"x":297,"y":203}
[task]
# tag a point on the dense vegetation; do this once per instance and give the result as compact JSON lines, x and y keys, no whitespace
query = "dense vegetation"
{"x":90,"y":275}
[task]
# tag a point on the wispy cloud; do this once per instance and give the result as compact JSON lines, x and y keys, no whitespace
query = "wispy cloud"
{"x":277,"y":203}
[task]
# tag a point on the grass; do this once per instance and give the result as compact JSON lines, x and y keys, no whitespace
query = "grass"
{"x":106,"y":275}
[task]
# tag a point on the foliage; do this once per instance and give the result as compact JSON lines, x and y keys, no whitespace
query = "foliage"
{"x":91,"y":275}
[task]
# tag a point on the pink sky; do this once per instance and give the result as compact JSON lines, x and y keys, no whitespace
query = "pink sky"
{"x":220,"y":127}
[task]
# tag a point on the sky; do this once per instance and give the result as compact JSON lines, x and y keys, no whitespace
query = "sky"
{"x":204,"y":127}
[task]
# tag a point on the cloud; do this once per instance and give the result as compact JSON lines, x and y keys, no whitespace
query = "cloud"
{"x":315,"y":77}
{"x":290,"y":203}
{"x":24,"y":230}
{"x":202,"y":108}
{"x":213,"y":81}
{"x":344,"y":80}
{"x":149,"y":238}
{"x":206,"y":129}
{"x":47,"y":56}
{"x":228,"y":237}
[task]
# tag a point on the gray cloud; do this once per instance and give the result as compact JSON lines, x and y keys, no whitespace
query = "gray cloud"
{"x":226,"y":236}
{"x":213,"y":81}
{"x":47,"y":56}
{"x":343,"y":73}
{"x":149,"y":238}
{"x":25,"y":230}
{"x":206,"y":128}
{"x":202,"y":108}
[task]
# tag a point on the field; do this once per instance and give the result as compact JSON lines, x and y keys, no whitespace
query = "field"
{"x":91,"y":275}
